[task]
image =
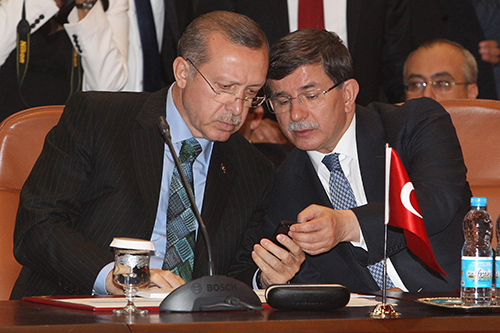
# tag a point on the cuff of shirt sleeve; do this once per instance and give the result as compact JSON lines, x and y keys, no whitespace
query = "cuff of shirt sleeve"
{"x":255,"y":284}
{"x":361,"y":243}
{"x":156,"y":261}
{"x":100,"y":281}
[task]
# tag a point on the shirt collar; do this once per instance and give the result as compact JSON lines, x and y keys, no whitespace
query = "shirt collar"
{"x":346,"y":147}
{"x":179,"y":131}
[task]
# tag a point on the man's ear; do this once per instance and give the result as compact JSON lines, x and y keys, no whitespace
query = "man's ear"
{"x":350,"y":89}
{"x":472,"y":91}
{"x":181,"y":71}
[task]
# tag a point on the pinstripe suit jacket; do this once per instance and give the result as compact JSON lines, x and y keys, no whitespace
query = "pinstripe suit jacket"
{"x":99,"y":176}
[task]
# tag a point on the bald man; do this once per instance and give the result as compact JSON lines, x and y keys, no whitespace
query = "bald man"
{"x":441,"y":69}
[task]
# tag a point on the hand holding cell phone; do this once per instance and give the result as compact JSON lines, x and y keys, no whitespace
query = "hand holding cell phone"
{"x":283,"y":228}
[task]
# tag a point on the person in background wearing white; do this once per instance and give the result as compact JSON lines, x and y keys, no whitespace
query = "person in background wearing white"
{"x":102,"y":36}
{"x":92,"y":32}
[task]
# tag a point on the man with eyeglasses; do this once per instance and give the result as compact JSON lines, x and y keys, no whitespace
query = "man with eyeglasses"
{"x":333,"y":183}
{"x":441,"y":69}
{"x":105,"y":172}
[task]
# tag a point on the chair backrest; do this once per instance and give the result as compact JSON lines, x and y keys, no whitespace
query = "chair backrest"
{"x":21,"y":141}
{"x":477,"y":122}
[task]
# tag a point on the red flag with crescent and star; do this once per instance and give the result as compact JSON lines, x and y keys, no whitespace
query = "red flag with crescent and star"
{"x":404,"y":211}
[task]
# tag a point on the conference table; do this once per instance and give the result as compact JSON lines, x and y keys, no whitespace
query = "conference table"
{"x":21,"y":316}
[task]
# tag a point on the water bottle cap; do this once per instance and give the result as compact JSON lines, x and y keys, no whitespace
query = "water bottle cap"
{"x":478,"y":202}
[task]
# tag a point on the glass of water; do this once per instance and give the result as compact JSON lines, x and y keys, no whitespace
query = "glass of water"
{"x":131,"y":270}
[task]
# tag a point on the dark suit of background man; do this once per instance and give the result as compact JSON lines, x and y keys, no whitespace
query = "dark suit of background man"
{"x":378,"y":37}
{"x":457,"y":21}
{"x":104,"y":171}
{"x":341,"y":244}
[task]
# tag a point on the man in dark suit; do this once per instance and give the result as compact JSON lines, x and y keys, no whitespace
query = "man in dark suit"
{"x":378,"y":35}
{"x":105,"y":171}
{"x":455,"y":20}
{"x":178,"y":15}
{"x":312,"y":93}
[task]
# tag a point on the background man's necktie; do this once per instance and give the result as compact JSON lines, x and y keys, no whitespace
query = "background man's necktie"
{"x":342,"y":197}
{"x":181,"y":221}
{"x":150,"y":52}
{"x":311,"y":14}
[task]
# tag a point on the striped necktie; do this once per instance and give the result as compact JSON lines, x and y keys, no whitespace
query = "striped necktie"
{"x":181,"y":221}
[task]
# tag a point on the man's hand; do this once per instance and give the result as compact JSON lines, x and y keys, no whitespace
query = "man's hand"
{"x":277,"y":264}
{"x":159,"y":278}
{"x":489,"y":51}
{"x":322,"y":228}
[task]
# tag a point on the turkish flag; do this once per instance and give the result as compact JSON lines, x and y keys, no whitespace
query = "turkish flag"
{"x":404,"y":212}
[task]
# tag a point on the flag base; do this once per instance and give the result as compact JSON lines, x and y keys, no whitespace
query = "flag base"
{"x":384,"y":311}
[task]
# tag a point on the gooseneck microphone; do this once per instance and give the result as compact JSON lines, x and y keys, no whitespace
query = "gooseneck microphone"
{"x":208,"y":293}
{"x":165,"y":130}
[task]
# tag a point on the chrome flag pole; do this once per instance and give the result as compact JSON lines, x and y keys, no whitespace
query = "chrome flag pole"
{"x":384,"y":310}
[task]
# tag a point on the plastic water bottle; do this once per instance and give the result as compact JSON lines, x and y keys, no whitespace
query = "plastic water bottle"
{"x":477,"y":256}
{"x":497,"y":264}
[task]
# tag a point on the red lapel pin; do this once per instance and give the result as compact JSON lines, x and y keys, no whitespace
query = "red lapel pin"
{"x":223,"y":167}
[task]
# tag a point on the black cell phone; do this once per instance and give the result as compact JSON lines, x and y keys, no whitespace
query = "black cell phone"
{"x":283,"y":228}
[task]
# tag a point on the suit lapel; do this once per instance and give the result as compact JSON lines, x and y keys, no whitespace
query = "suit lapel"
{"x":370,"y":140}
{"x":147,"y":151}
{"x":219,"y":179}
{"x":308,"y":183}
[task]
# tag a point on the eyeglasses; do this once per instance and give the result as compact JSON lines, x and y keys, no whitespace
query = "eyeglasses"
{"x":439,"y":85}
{"x":227,"y":97}
{"x":309,"y":99}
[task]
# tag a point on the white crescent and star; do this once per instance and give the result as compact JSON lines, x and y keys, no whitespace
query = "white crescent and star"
{"x":405,"y":198}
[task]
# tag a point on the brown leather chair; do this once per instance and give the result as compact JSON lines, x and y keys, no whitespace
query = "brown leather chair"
{"x":477,"y":122}
{"x":21,"y":140}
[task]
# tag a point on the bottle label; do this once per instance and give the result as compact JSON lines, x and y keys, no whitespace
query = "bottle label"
{"x":477,"y":272}
{"x":497,"y":272}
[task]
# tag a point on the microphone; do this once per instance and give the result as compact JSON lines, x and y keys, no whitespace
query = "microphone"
{"x":212,"y":292}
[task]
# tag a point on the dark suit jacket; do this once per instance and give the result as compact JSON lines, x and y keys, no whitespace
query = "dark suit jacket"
{"x":178,"y":15}
{"x":378,"y":33}
{"x":423,"y":135}
{"x":98,"y":177}
{"x":455,"y":20}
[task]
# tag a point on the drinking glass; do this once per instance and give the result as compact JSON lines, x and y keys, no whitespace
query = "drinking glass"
{"x":131,"y":269}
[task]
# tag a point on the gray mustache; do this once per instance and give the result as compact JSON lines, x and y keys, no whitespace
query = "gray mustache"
{"x":302,"y":125}
{"x":230,"y":119}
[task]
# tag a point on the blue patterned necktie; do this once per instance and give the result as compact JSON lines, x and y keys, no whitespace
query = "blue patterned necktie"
{"x":181,"y":221}
{"x":342,"y":197}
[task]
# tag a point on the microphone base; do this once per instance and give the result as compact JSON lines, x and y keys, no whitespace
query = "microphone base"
{"x":211,"y":293}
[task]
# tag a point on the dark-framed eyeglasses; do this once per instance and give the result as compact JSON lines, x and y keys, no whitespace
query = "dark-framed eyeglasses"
{"x":227,"y":97}
{"x":416,"y":86}
{"x":309,"y":99}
